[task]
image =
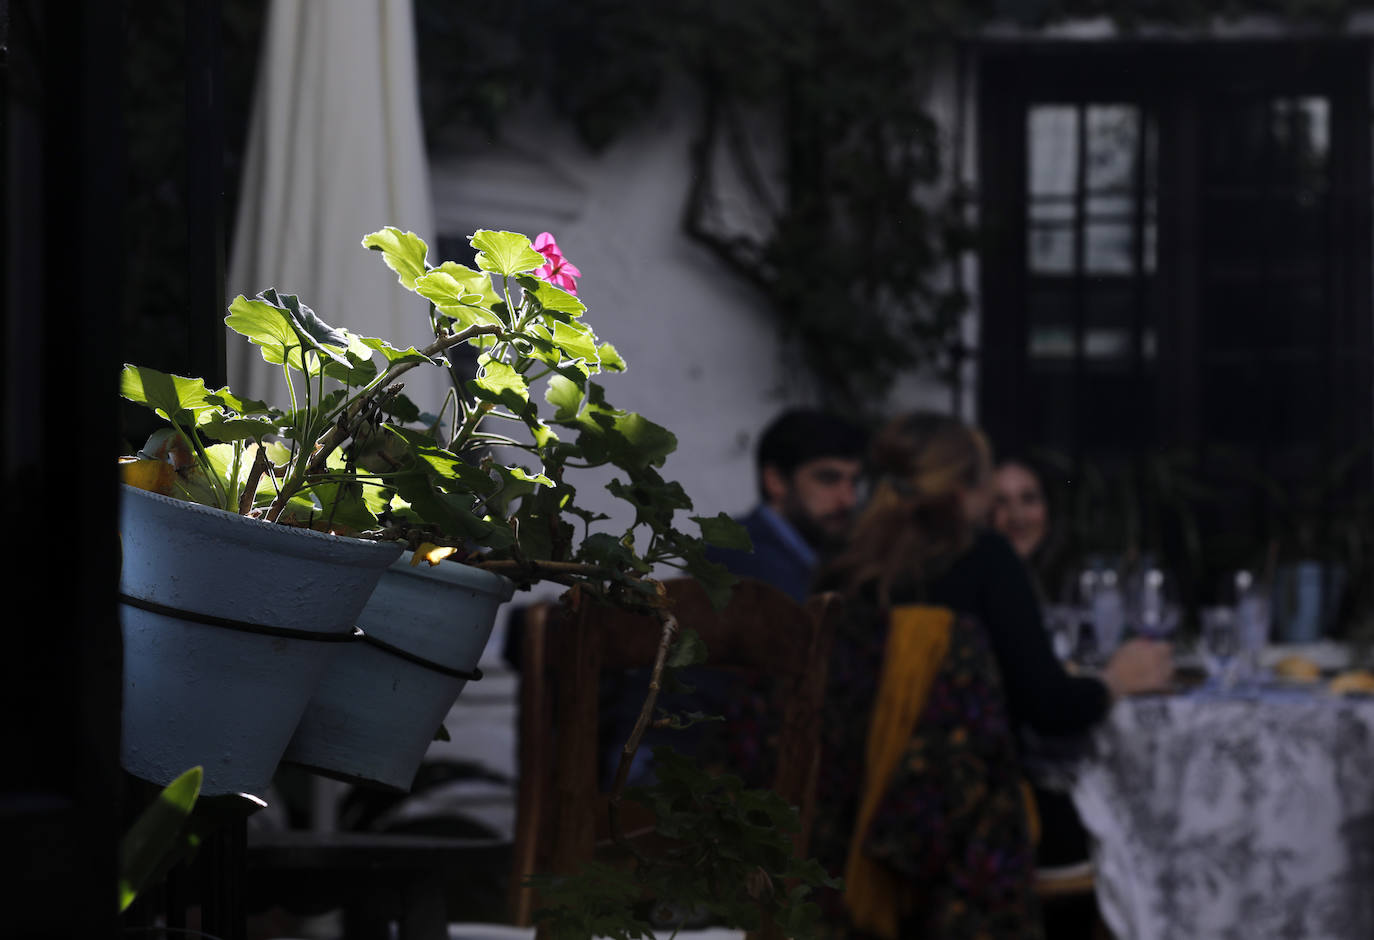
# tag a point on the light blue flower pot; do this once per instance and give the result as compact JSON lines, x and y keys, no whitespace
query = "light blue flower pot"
{"x":229,"y":623}
{"x":376,"y":712}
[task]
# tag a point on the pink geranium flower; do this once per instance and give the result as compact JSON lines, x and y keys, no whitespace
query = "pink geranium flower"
{"x":559,"y":272}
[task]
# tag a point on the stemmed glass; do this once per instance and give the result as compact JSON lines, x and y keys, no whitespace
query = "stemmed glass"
{"x":1155,"y":609}
{"x":1220,"y":642}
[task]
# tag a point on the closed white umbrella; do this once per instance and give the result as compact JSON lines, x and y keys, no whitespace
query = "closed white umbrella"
{"x":335,"y":150}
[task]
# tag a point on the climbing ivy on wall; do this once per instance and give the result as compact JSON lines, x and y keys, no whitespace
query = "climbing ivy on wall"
{"x":845,"y":214}
{"x":855,"y":219}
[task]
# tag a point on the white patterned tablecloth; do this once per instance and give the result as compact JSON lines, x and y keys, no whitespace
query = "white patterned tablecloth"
{"x":1233,"y":816}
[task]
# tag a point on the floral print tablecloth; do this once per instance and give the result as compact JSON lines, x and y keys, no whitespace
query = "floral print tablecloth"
{"x":1233,"y":816}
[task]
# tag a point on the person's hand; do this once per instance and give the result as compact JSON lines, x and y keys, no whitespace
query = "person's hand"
{"x":1139,"y":666}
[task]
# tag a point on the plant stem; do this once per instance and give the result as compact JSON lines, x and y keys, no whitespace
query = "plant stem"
{"x":627,"y":754}
{"x":250,"y":488}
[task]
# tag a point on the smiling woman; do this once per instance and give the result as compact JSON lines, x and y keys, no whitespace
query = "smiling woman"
{"x":1019,"y":509}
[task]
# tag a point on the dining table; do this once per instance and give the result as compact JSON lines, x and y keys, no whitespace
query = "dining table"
{"x":1233,"y":812}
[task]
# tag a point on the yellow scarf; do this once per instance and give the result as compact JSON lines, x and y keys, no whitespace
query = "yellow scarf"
{"x":917,"y":641}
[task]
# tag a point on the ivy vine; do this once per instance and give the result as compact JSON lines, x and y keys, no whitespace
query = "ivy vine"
{"x":843,"y":211}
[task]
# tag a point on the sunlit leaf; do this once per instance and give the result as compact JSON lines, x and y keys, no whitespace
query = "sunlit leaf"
{"x":553,"y":301}
{"x":171,"y":396}
{"x":610,"y":358}
{"x":565,"y":395}
{"x":238,"y":429}
{"x":403,"y":252}
{"x":505,"y":253}
{"x":497,"y":381}
{"x":576,"y":340}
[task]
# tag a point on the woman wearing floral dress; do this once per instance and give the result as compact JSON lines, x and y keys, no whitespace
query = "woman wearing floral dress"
{"x":923,"y":807}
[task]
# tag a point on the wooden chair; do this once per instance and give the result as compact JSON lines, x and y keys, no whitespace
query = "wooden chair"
{"x":563,"y":653}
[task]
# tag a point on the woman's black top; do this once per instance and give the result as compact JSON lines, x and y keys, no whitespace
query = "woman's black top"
{"x":992,"y":583}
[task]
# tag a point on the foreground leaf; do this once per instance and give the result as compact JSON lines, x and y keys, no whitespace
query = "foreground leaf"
{"x":156,"y":835}
{"x":403,"y":252}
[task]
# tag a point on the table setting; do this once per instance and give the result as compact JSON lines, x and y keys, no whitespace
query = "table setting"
{"x":1239,"y":803}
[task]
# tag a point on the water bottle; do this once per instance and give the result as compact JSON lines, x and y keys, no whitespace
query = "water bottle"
{"x":1109,"y":613}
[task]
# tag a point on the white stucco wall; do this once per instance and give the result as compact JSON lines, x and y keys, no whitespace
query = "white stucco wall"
{"x":702,"y":348}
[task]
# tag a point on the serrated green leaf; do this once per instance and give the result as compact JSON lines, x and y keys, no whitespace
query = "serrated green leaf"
{"x":505,"y":253}
{"x":520,"y":473}
{"x":722,"y":531}
{"x":453,"y":288}
{"x":238,"y":429}
{"x":395,"y":355}
{"x":610,"y":359}
{"x":566,"y":396}
{"x":312,"y":330}
{"x":454,"y":473}
{"x":403,"y":252}
{"x":230,"y":402}
{"x":170,"y":396}
{"x":266,"y":326}
{"x":344,"y":506}
{"x":576,"y":341}
{"x":499,"y":381}
{"x":554,"y":302}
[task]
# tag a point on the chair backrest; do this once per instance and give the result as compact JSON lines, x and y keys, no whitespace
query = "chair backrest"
{"x":563,"y":653}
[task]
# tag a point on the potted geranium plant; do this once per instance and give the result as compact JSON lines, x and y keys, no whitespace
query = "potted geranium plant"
{"x":427,"y":623}
{"x":347,"y":456}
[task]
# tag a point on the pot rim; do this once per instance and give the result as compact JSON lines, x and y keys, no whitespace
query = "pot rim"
{"x":456,"y":573}
{"x":363,"y":546}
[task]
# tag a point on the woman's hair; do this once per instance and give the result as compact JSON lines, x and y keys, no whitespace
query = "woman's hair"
{"x":914,"y":523}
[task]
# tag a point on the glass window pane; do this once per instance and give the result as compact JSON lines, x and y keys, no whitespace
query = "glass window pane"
{"x":1052,"y":143}
{"x":1050,"y":249}
{"x":1108,"y":248}
{"x":1113,"y":143}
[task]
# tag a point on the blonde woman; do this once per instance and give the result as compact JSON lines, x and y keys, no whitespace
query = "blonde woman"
{"x":943,"y":656}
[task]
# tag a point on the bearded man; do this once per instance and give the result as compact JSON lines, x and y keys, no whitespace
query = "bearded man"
{"x":810,"y":466}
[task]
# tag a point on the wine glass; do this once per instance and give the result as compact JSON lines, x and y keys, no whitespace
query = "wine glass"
{"x":1157,"y":611}
{"x":1063,"y":622}
{"x":1220,"y":642}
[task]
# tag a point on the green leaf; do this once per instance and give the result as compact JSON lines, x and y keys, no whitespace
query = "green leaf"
{"x":343,"y":505}
{"x":156,"y":835}
{"x":499,"y":383}
{"x":520,"y":473}
{"x":462,"y":294}
{"x":233,"y":404}
{"x":265,"y":325}
{"x":238,"y":429}
{"x":505,"y":253}
{"x":566,"y":396}
{"x":402,"y":409}
{"x":688,"y":650}
{"x":169,"y":395}
{"x":455,"y":474}
{"x":553,"y":301}
{"x":722,"y":531}
{"x":313,"y":331}
{"x":395,"y":355}
{"x":602,"y":548}
{"x":610,"y":358}
{"x":403,"y":252}
{"x":576,"y":340}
